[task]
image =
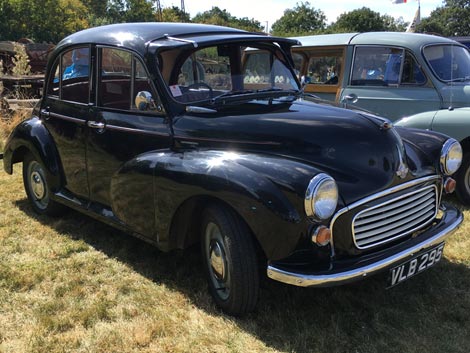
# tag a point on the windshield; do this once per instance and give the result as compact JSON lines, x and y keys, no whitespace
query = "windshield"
{"x":449,"y":62}
{"x":203,"y":75}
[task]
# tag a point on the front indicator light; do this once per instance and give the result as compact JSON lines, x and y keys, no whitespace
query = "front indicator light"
{"x":449,"y":185}
{"x":321,"y":236}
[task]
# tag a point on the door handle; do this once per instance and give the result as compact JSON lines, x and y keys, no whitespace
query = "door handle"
{"x":350,"y":98}
{"x":45,"y":113}
{"x":95,"y":125}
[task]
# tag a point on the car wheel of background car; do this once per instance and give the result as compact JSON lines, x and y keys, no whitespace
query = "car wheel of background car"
{"x":37,"y":189}
{"x":463,"y":180}
{"x":230,"y":261}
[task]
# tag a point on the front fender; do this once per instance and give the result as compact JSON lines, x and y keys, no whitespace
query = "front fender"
{"x":266,"y":191}
{"x":32,"y":136}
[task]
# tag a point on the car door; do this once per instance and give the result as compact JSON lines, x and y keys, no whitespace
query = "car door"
{"x":65,"y":110}
{"x":118,"y":133}
{"x":389,"y":82}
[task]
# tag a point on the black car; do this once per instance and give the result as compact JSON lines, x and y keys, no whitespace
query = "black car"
{"x":172,"y":133}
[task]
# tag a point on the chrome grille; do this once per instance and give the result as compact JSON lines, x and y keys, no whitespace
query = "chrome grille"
{"x":395,"y":218}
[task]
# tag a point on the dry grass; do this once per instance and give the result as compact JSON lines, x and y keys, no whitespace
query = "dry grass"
{"x":8,"y":123}
{"x":75,"y":285}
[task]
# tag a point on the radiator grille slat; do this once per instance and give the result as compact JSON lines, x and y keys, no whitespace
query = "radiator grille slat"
{"x":395,"y":218}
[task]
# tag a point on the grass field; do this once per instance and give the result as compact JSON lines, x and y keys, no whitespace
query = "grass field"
{"x":75,"y":285}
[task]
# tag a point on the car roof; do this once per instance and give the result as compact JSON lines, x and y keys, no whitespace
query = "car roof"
{"x":403,"y":39}
{"x":137,"y":36}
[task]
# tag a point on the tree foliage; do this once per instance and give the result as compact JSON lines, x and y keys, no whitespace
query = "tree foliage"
{"x":219,"y":17}
{"x":365,"y":20}
{"x":452,"y":19}
{"x":301,"y":20}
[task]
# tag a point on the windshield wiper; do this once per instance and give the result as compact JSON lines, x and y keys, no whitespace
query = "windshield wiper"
{"x":265,"y":93}
{"x":460,"y":79}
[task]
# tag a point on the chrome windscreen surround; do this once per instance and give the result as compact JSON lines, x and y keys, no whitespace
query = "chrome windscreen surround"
{"x":395,"y":218}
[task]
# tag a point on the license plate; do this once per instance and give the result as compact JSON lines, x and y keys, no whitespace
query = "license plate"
{"x":414,"y":266}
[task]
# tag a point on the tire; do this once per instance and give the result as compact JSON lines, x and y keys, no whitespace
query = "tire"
{"x":463,"y":181}
{"x":230,"y":261}
{"x":37,"y":189}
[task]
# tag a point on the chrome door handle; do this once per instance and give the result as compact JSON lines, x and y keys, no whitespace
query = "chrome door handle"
{"x":45,"y":113}
{"x":350,"y":98}
{"x":95,"y":125}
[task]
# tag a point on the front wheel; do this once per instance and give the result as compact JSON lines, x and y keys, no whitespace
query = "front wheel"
{"x":463,"y":180}
{"x":230,"y":261}
{"x":37,"y":188}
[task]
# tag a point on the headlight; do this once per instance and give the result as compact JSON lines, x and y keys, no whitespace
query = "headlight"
{"x":321,"y":197}
{"x":451,"y":157}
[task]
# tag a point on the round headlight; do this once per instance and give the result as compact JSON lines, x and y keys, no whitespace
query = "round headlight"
{"x":321,"y":197}
{"x":451,"y":156}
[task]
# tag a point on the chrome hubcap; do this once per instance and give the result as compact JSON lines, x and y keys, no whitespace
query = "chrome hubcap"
{"x":217,"y":260}
{"x":37,"y":185}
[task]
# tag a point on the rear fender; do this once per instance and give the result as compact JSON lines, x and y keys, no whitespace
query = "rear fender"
{"x":31,"y":136}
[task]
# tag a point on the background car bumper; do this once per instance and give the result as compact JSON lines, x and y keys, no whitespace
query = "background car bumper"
{"x":450,"y":221}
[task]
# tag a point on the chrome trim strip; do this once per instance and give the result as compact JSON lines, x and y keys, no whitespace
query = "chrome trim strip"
{"x":303,"y":280}
{"x":184,"y":139}
{"x":67,"y":118}
{"x":401,"y":197}
{"x":136,"y":131}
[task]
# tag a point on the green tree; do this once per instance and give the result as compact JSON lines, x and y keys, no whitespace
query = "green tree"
{"x":219,"y":17}
{"x":452,"y":19}
{"x":174,"y":14}
{"x":301,"y":20}
{"x":366,"y":20}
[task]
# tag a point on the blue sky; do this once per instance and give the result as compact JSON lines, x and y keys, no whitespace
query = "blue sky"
{"x":271,"y":10}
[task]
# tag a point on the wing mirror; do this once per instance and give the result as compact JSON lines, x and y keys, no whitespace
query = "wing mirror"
{"x":144,"y":101}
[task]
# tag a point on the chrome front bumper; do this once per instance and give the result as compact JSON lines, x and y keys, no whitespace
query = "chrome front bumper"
{"x":450,"y":221}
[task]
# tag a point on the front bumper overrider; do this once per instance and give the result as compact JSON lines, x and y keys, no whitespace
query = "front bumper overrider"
{"x":342,"y":273}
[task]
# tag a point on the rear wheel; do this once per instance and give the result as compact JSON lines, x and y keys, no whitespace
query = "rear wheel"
{"x":37,"y":188}
{"x":230,"y":261}
{"x":463,"y":180}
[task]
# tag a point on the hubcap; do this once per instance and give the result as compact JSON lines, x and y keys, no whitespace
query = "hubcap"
{"x":217,"y":262}
{"x":37,"y":185}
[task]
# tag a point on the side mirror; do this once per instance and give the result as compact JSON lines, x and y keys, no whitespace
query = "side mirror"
{"x":144,"y":101}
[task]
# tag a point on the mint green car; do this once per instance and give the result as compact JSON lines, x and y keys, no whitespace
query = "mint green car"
{"x":391,"y":74}
{"x":455,"y":123}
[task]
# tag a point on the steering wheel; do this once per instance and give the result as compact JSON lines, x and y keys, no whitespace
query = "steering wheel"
{"x":197,"y":85}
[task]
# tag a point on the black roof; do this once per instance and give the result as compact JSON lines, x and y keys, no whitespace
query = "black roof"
{"x":138,"y":35}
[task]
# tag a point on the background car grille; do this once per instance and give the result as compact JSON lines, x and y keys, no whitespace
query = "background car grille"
{"x":395,"y":218}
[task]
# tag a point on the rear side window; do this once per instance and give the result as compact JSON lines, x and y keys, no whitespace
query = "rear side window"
{"x":71,"y":78}
{"x":324,"y":68}
{"x":384,"y":66}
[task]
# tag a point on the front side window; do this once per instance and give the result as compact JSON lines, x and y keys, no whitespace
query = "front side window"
{"x":205,"y":74}
{"x":448,"y":62}
{"x":385,"y":66}
{"x":122,"y":77}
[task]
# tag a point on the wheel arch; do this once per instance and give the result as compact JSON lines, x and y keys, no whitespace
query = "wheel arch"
{"x":185,"y":233}
{"x":31,"y":136}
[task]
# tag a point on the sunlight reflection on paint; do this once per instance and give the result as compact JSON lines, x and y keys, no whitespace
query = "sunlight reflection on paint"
{"x":219,"y":160}
{"x":124,"y":37}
